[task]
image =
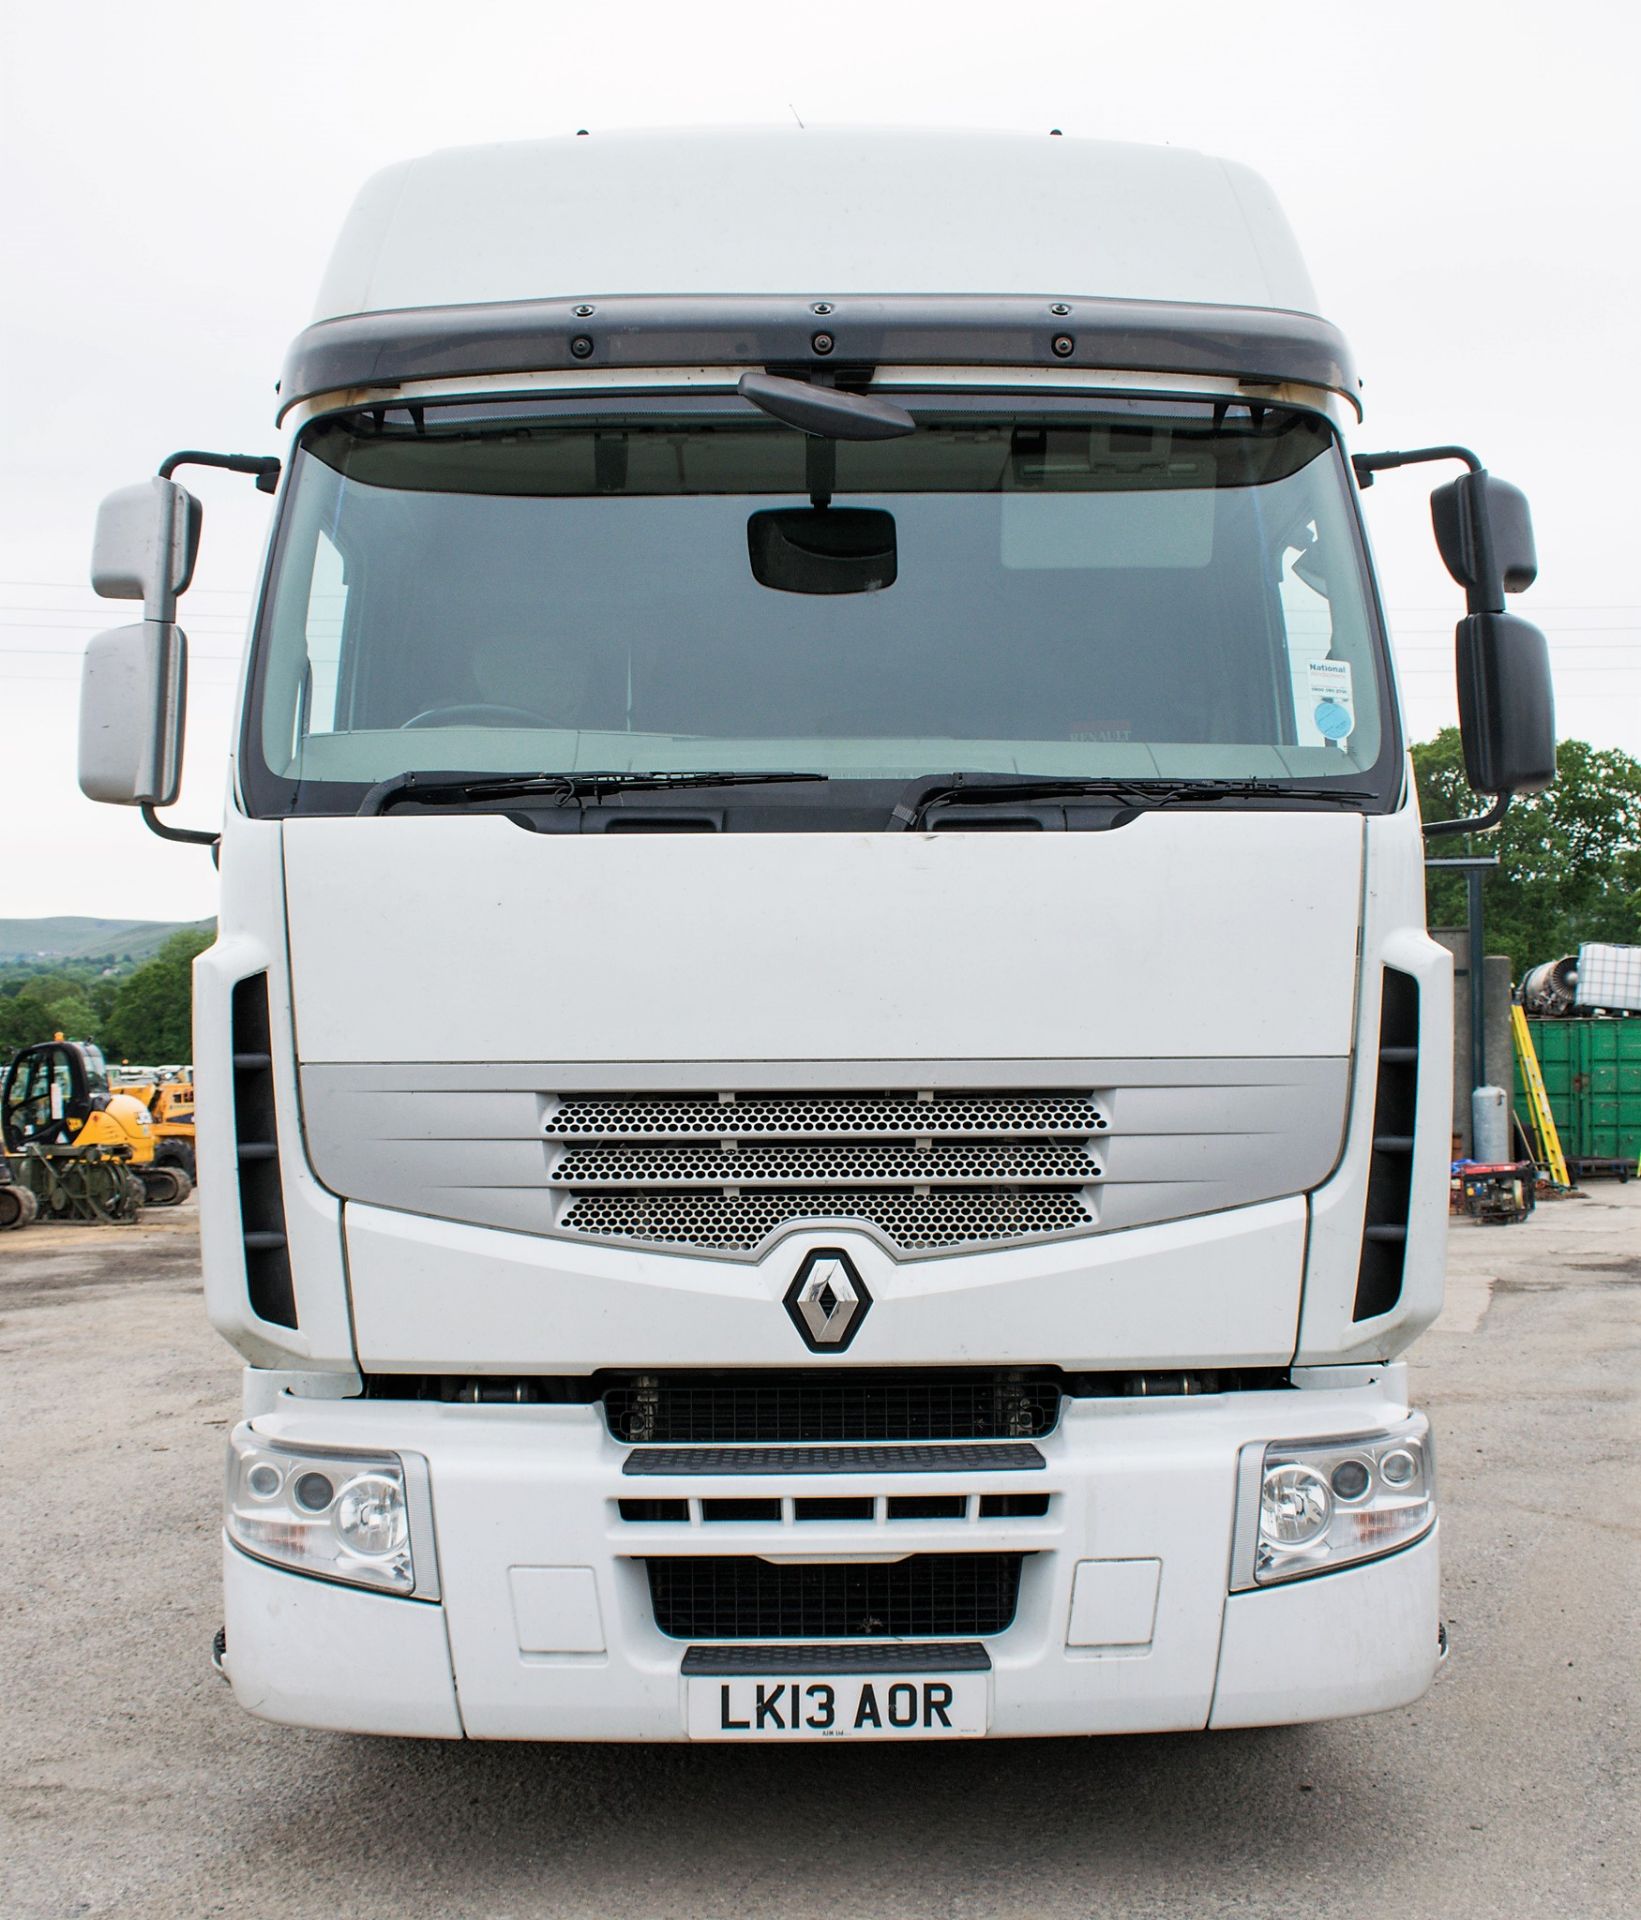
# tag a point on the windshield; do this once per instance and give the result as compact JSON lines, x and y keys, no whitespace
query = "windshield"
{"x":1132,"y":589}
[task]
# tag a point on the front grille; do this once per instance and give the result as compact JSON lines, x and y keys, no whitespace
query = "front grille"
{"x":964,"y":1509}
{"x":791,"y":1409}
{"x":726,"y":1171}
{"x":739,"y":1222}
{"x":953,"y":1595}
{"x":970,"y":1456}
{"x":867,"y":1162}
{"x":769,"y":1116}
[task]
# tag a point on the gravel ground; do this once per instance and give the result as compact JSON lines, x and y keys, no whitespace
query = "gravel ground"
{"x":131,"y":1785}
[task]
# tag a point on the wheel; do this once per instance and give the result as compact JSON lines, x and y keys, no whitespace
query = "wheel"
{"x":165,"y":1186}
{"x":178,"y":1154}
{"x":17,"y":1207}
{"x":476,"y":713}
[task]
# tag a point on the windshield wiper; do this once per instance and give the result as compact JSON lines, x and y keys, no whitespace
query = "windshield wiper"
{"x":962,"y":789}
{"x":559,"y":787}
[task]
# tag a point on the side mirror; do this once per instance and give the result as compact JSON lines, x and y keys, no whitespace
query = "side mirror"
{"x":145,"y":546}
{"x":133,"y":694}
{"x":133,"y":686}
{"x":1484,"y":532}
{"x":1506,"y":707}
{"x":1507,"y":717}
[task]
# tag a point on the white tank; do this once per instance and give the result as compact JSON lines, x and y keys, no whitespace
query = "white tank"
{"x":1490,"y":1126}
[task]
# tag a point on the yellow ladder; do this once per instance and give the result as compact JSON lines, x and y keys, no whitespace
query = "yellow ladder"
{"x":1538,"y":1101}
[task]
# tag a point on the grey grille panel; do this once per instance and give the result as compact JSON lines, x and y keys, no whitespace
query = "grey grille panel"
{"x":766,"y":1116}
{"x":977,"y":1165}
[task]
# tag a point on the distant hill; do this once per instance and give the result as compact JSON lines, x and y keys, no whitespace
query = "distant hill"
{"x":71,"y":937}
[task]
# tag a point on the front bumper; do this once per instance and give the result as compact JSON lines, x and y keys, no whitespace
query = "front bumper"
{"x":545,"y":1628}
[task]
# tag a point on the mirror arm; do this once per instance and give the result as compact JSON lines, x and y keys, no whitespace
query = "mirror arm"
{"x":190,"y":836}
{"x":264,"y":466}
{"x":1366,"y":465}
{"x":820,"y":463}
{"x":1482,"y":823}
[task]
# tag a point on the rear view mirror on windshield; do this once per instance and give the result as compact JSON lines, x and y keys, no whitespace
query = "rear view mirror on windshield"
{"x":822,"y":549}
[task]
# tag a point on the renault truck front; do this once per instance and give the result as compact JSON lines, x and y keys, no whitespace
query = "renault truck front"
{"x":824,"y":1094}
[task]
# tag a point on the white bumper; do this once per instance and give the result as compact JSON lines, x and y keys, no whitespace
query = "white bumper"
{"x":545,"y":1628}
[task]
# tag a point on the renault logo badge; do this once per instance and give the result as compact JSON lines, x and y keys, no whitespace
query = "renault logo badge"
{"x":827,"y":1300}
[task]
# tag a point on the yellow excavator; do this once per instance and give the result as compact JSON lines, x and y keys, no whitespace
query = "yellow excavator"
{"x":82,"y":1151}
{"x":168,"y":1094}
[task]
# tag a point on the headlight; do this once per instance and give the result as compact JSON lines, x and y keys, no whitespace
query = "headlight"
{"x":342,"y":1516}
{"x":1318,"y":1504}
{"x":1294,"y":1506}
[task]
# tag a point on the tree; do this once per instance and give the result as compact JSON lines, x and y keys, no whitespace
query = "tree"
{"x":42,"y":1005}
{"x":1569,"y":859}
{"x":152,"y":1016}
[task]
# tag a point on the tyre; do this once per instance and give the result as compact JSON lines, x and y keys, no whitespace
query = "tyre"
{"x":178,"y":1154}
{"x":17,"y":1207}
{"x":165,"y":1186}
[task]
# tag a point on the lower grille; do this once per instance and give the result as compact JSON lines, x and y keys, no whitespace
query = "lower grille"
{"x":952,"y":1595}
{"x":793,"y":1409}
{"x":944,"y":1217}
{"x":822,"y":1509}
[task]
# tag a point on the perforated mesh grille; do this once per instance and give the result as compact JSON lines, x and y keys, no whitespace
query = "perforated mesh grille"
{"x":828,"y":1163}
{"x":726,"y":1172}
{"x":951,"y":1218}
{"x":751,"y":1116}
{"x":949,"y":1594}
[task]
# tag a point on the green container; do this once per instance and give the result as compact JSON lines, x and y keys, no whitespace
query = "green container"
{"x":1592,"y":1073}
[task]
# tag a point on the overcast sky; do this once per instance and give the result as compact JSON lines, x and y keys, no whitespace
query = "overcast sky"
{"x":1465,"y":180}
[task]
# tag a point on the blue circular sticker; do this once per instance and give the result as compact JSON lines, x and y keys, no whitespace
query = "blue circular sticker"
{"x":1333,"y":721}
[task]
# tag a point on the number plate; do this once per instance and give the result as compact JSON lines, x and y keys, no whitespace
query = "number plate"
{"x":874,"y":1706}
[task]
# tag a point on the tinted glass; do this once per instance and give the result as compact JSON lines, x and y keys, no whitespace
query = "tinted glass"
{"x":1137,"y":589}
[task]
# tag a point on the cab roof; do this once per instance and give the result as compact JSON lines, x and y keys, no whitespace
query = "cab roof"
{"x":815,"y":213}
{"x":830,"y":253}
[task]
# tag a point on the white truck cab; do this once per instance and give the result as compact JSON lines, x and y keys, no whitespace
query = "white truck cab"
{"x":823,"y":1097}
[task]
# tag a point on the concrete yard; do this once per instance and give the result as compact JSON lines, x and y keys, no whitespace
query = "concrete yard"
{"x":132,"y":1785}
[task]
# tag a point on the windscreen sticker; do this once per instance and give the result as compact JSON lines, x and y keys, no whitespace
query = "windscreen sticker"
{"x":1335,"y":713}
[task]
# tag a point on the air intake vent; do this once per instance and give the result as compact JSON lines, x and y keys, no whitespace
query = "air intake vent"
{"x":1390,"y":1171}
{"x":256,"y":1136}
{"x":794,"y":1408}
{"x":725,"y":1171}
{"x":777,"y":1116}
{"x":948,"y":1594}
